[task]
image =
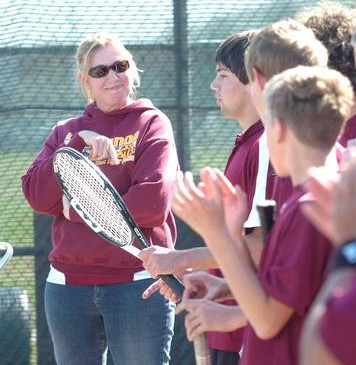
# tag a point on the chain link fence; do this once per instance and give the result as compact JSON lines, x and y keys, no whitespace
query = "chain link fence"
{"x":174,"y":43}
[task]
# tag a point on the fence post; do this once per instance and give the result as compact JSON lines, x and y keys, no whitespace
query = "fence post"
{"x":181,"y":49}
{"x":182,"y":349}
{"x":42,"y":233}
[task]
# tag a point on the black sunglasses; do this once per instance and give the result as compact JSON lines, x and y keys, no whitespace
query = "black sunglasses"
{"x":102,"y":70}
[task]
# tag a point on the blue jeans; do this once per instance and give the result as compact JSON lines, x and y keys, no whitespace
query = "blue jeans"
{"x":85,"y":320}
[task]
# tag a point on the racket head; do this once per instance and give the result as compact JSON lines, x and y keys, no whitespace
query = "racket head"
{"x":92,"y":196}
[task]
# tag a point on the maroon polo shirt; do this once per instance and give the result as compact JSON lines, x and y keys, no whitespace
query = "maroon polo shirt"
{"x":338,"y":323}
{"x":241,"y":169}
{"x":292,"y":269}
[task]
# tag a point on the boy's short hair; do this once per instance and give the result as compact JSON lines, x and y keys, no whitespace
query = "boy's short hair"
{"x":231,"y":53}
{"x":313,"y":101}
{"x":333,"y":24}
{"x":282,"y":45}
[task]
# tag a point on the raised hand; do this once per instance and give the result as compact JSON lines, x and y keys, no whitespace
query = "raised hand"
{"x":202,"y":209}
{"x":334,"y":206}
{"x":318,"y":210}
{"x":235,"y":205}
{"x":343,"y":211}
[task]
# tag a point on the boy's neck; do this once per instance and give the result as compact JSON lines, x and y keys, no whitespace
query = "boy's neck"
{"x":249,"y":117}
{"x":302,"y":159}
{"x":246,"y":123}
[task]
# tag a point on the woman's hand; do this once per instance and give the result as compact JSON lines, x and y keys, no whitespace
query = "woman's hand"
{"x":101,"y":147}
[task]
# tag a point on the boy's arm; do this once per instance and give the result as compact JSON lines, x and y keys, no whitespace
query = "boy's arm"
{"x":266,"y":314}
{"x":205,"y":212}
{"x":254,"y":244}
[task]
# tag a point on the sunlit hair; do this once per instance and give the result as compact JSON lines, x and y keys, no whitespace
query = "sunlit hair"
{"x":313,"y":101}
{"x":231,"y":54}
{"x":86,"y":51}
{"x":333,"y":24}
{"x":284,"y":45}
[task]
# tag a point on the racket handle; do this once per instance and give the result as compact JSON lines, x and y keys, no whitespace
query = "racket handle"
{"x":202,"y":350}
{"x":174,"y":284}
{"x":266,"y":211}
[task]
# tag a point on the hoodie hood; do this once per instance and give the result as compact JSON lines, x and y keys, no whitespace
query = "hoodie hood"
{"x":140,"y":105}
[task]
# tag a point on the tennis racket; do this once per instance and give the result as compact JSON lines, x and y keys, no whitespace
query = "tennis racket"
{"x":8,"y":252}
{"x":266,"y":212}
{"x":101,"y":207}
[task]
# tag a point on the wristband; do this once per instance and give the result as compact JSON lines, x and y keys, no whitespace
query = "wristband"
{"x":345,"y":256}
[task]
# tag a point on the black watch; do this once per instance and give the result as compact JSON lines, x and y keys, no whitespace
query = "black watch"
{"x":345,"y":256}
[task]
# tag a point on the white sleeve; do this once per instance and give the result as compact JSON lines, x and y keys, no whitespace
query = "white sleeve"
{"x":253,"y":219}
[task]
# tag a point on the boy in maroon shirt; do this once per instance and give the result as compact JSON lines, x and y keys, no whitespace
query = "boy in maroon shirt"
{"x":333,"y":24}
{"x":246,"y":161}
{"x":306,"y":109}
{"x":285,"y":44}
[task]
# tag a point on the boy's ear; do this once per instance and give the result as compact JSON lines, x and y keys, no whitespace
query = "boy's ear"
{"x":281,"y":130}
{"x":259,"y":78}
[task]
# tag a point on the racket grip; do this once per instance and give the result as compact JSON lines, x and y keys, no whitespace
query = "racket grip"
{"x":201,"y":348}
{"x":174,"y":284}
{"x":266,"y":212}
{"x":202,"y":351}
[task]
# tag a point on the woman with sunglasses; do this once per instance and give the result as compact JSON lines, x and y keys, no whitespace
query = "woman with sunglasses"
{"x":93,"y":292}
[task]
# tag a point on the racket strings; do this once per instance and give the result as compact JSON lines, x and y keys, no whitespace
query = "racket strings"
{"x":82,"y":182}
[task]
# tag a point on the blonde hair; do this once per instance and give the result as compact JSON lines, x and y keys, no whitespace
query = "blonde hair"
{"x":313,"y":101}
{"x":85,"y":54}
{"x":282,"y":45}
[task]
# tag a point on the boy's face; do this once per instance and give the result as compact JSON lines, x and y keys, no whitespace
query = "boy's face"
{"x":231,"y":94}
{"x":275,"y":144}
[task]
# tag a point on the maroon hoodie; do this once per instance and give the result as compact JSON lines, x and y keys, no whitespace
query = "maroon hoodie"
{"x":143,"y":138}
